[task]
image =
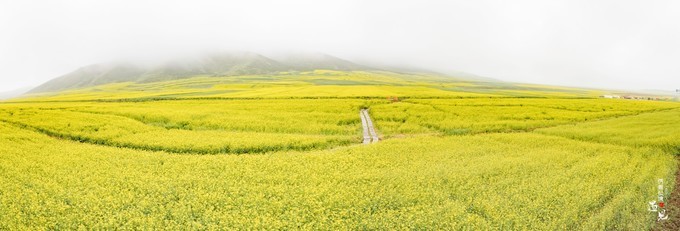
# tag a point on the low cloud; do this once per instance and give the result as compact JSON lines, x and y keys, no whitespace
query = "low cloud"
{"x":605,"y":44}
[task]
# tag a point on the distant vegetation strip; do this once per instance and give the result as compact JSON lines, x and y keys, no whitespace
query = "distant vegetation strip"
{"x":148,"y":99}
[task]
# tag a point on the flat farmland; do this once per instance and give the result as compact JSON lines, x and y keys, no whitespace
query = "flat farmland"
{"x":473,"y":163}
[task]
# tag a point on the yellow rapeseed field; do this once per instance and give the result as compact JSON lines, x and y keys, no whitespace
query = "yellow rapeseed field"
{"x":254,"y":152}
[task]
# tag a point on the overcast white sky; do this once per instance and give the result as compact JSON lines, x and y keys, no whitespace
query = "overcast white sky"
{"x":616,"y":44}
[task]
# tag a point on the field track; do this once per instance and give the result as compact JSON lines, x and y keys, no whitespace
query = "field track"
{"x":370,"y":136}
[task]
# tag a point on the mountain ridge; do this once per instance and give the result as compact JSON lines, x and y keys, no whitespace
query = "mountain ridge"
{"x":215,"y":64}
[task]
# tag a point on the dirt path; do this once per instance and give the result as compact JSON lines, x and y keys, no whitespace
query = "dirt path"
{"x":364,"y":124}
{"x":673,"y":208}
{"x":370,"y":135}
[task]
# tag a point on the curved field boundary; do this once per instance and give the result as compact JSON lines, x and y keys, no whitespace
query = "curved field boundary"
{"x":156,"y":148}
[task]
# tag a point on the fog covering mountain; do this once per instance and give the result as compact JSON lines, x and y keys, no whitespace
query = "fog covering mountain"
{"x":217,"y":64}
{"x":14,"y":93}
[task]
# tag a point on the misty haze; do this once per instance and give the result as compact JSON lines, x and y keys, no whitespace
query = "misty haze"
{"x":340,"y":115}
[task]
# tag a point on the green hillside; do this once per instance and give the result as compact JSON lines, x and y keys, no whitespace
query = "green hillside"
{"x":317,"y":83}
{"x":214,"y":65}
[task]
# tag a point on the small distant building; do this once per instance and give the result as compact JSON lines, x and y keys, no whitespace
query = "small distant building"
{"x":610,"y":96}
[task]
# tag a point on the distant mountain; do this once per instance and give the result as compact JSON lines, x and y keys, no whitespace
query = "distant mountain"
{"x":217,"y":64}
{"x":468,"y":76}
{"x":315,"y":61}
{"x":14,"y":93}
{"x":419,"y":70}
{"x":92,"y":75}
{"x":224,"y":64}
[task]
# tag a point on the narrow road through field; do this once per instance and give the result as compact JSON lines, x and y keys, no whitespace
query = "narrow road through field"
{"x":370,"y":136}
